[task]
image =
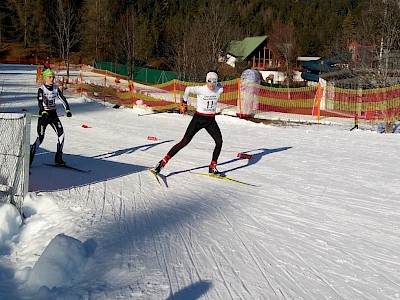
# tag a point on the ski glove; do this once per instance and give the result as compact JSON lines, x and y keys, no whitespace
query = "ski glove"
{"x":183,"y":108}
{"x":44,"y":115}
{"x":69,"y":114}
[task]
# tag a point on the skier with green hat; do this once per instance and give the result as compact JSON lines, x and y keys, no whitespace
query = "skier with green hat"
{"x":47,"y":73}
{"x":46,"y":96}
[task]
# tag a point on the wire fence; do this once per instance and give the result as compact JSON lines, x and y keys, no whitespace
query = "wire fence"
{"x":14,"y":157}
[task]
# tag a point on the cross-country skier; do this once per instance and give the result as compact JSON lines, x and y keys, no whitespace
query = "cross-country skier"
{"x":204,"y":117}
{"x":46,"y":97}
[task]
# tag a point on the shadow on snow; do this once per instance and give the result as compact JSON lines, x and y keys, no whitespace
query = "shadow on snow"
{"x":257,"y":155}
{"x":48,"y":178}
{"x":192,"y":292}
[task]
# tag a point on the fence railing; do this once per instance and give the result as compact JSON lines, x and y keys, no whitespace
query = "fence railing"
{"x":371,"y":105}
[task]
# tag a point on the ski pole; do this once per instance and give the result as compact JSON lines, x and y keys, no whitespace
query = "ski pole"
{"x":38,"y":116}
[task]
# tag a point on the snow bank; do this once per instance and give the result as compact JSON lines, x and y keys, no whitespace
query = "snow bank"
{"x":10,"y":221}
{"x":61,"y":263}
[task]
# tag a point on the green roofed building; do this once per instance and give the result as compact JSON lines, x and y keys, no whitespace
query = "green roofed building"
{"x":254,"y":51}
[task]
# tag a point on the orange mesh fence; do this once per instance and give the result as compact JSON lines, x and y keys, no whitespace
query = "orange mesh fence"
{"x":231,"y":93}
{"x":374,"y":104}
{"x":287,"y":100}
{"x":122,"y":95}
{"x":381,"y":104}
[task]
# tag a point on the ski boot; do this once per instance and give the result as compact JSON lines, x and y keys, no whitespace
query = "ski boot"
{"x":212,"y":169}
{"x":58,"y":159}
{"x":161,"y":164}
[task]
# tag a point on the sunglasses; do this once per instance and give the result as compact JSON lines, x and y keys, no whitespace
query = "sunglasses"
{"x":212,"y":81}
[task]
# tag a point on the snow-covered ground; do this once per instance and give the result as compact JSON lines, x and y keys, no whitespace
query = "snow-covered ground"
{"x":322,"y":222}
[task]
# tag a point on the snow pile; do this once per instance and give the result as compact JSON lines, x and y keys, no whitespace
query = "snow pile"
{"x":10,"y":220}
{"x":61,"y":263}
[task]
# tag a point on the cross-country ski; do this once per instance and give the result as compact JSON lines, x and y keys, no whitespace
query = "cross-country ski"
{"x":223,"y":177}
{"x":156,"y":175}
{"x":68,"y":167}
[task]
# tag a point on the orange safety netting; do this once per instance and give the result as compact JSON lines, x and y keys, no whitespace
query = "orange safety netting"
{"x":381,"y":104}
{"x":371,"y":104}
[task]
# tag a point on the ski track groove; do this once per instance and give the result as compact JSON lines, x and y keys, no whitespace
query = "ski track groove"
{"x":234,"y":271}
{"x":162,"y":261}
{"x":104,"y":200}
{"x":317,"y":274}
{"x":374,"y":271}
{"x":251,"y":217}
{"x":191,"y":255}
{"x":361,"y":257}
{"x":118,"y":209}
{"x":221,"y":274}
{"x":188,"y":251}
{"x":287,"y":271}
{"x":250,"y":252}
{"x":211,"y":262}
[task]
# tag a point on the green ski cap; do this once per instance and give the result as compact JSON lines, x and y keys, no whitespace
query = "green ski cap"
{"x":47,"y":73}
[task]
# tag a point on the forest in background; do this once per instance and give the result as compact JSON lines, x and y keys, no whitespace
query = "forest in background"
{"x":188,"y":36}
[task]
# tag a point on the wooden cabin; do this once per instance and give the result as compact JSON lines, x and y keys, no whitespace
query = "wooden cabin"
{"x":254,"y":51}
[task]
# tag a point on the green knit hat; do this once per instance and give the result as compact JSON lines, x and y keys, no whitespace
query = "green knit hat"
{"x":47,"y":73}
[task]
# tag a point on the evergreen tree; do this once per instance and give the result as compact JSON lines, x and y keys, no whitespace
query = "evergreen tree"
{"x":166,"y":30}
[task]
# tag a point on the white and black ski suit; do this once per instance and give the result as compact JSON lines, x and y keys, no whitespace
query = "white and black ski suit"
{"x":47,"y":95}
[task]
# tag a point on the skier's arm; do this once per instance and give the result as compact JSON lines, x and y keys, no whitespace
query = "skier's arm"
{"x":63,"y":99}
{"x":188,"y":90}
{"x":40,"y":100}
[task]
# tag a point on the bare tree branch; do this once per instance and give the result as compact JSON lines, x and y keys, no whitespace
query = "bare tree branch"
{"x":65,"y":26}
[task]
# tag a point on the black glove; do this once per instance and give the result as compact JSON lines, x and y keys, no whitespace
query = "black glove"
{"x":44,"y":115}
{"x":69,"y":114}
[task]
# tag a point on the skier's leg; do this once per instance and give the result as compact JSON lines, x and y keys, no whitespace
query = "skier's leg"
{"x":41,"y":129}
{"x":194,"y":126}
{"x":58,"y":128}
{"x":215,"y":133}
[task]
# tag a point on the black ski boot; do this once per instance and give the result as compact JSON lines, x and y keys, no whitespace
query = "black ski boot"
{"x":212,"y":169}
{"x":58,"y":159}
{"x":159,"y":166}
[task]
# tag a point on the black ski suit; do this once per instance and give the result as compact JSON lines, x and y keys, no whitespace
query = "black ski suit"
{"x":46,"y":97}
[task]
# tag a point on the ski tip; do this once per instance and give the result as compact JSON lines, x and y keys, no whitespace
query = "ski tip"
{"x":156,"y":175}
